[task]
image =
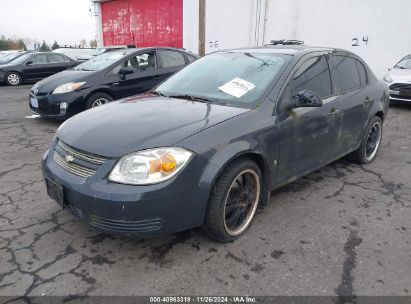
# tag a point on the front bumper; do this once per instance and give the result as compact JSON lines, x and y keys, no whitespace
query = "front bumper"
{"x":400,"y":91}
{"x":49,"y":104}
{"x":139,"y":211}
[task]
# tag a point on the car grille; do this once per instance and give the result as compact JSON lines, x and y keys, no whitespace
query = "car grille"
{"x":125,"y":226}
{"x":400,"y":86}
{"x":116,"y":226}
{"x":75,"y":161}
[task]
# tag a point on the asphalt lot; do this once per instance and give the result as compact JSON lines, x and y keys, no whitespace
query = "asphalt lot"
{"x":343,"y":230}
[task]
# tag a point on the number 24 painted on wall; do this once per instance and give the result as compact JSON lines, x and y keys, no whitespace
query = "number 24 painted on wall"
{"x":356,"y":42}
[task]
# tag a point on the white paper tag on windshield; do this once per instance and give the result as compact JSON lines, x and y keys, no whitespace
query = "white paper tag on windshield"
{"x":237,"y":87}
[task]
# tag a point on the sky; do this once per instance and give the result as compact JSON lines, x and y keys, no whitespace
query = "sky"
{"x":66,"y":21}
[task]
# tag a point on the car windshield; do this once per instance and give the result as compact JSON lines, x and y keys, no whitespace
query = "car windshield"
{"x":233,"y":78}
{"x":100,"y":62}
{"x":21,"y":59}
{"x":405,"y":63}
{"x":10,"y":57}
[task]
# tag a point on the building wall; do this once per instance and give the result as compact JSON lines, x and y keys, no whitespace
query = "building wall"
{"x":141,"y":22}
{"x":376,"y":30}
{"x":231,"y":24}
{"x":191,"y":25}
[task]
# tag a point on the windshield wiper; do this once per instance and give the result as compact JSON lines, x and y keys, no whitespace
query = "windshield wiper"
{"x":81,"y":69}
{"x":190,"y":97}
{"x":157,"y":93}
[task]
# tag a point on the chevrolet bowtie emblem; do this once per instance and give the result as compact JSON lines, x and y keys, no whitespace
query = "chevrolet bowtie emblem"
{"x":69,"y":158}
{"x":36,"y":91}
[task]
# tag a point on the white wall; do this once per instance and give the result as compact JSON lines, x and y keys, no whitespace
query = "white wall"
{"x":190,"y":25}
{"x":335,"y":23}
{"x":230,"y":24}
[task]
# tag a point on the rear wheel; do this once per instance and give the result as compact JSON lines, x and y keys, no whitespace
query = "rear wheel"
{"x":13,"y":78}
{"x":233,"y":202}
{"x":98,"y":99}
{"x":367,"y":152}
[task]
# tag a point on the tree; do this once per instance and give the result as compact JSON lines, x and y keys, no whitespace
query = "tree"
{"x":55,"y":45}
{"x":21,"y":45}
{"x":83,"y":42}
{"x":3,"y":43}
{"x":44,"y":47}
{"x":93,"y":43}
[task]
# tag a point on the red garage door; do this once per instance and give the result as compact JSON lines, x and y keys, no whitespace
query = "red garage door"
{"x":142,"y":22}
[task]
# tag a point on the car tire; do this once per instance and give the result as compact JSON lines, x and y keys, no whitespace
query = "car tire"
{"x":227,"y":224}
{"x":13,"y":78}
{"x":367,"y":152}
{"x":98,"y":99}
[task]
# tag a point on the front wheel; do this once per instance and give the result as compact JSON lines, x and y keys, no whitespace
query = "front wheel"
{"x":367,"y":152}
{"x":233,"y":202}
{"x":98,"y":99}
{"x":13,"y":78}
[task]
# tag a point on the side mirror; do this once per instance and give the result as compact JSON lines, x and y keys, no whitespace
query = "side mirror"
{"x":306,"y":99}
{"x":30,"y":62}
{"x":126,"y":71}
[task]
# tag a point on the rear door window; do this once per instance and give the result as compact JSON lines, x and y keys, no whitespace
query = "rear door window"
{"x":39,"y":59}
{"x":312,"y":75}
{"x":171,"y":59}
{"x":346,"y":73}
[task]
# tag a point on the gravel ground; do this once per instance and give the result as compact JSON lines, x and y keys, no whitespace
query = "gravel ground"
{"x":343,"y":230}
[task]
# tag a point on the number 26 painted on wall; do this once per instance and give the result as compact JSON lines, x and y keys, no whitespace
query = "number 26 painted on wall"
{"x":356,"y":41}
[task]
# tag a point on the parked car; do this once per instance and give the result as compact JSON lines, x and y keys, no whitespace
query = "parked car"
{"x":34,"y":66}
{"x":399,"y":80}
{"x":104,"y":78}
{"x":206,"y":147}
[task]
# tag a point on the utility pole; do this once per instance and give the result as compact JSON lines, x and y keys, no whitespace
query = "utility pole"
{"x":201,"y":27}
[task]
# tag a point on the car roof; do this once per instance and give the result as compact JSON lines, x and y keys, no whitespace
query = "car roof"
{"x":129,"y":51}
{"x":286,"y":49}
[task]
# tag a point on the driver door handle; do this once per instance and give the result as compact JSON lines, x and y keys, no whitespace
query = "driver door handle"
{"x":333,"y":112}
{"x":115,"y":83}
{"x":368,"y":100}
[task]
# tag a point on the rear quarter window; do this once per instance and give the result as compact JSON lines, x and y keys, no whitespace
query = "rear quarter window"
{"x":190,"y":58}
{"x":172,"y":59}
{"x":362,"y":71}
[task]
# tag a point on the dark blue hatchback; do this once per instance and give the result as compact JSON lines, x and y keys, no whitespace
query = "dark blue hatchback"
{"x":206,"y":147}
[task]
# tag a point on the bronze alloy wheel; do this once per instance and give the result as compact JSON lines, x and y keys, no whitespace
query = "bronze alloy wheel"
{"x":373,"y":140}
{"x":241,"y":202}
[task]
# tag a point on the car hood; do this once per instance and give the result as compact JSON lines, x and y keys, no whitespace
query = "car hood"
{"x":50,"y":83}
{"x":7,"y":64}
{"x":400,"y":74}
{"x":141,"y":122}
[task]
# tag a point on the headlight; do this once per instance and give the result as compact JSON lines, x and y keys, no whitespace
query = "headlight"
{"x":68,"y":87}
{"x":150,"y":166}
{"x":387,"y":78}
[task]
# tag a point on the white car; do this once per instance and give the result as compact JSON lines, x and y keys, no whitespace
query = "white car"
{"x":399,"y":80}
